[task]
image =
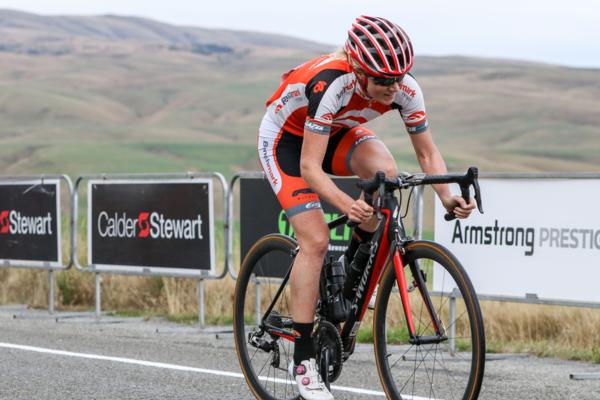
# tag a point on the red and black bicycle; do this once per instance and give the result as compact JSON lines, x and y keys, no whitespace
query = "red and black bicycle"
{"x":427,"y":325}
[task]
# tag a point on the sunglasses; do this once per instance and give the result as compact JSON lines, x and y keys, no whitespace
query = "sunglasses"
{"x":380,"y":81}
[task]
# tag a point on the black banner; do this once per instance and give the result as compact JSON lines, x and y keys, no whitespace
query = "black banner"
{"x":151,"y":224}
{"x":29,"y":222}
{"x":261,"y":214}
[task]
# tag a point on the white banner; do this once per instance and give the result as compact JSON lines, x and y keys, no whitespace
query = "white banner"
{"x":536,"y":237}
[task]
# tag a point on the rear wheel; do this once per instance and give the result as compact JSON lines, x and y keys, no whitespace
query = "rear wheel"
{"x":450,"y":369}
{"x":264,"y":353}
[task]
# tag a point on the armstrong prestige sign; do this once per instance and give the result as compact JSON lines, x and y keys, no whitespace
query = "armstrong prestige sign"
{"x":30,"y":223}
{"x":261,"y":214}
{"x":163,"y":225}
{"x":534,"y":236}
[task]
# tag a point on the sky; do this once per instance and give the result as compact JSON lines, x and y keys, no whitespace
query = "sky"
{"x":549,"y":31}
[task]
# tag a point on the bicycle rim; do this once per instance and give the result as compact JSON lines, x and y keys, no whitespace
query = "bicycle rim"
{"x":265,"y":370}
{"x":451,"y":369}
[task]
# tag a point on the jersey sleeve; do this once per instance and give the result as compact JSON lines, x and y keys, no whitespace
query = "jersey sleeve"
{"x":323,"y":103}
{"x":411,"y":104}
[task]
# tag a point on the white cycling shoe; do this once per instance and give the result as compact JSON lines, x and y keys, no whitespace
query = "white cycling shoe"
{"x":310,"y":384}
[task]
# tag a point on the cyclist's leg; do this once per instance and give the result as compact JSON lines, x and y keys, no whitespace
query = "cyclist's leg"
{"x":313,"y":239}
{"x":360,"y":152}
{"x":280,"y":158}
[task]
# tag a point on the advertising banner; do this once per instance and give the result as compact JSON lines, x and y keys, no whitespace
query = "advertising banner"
{"x":537,"y":237}
{"x":158,"y":226}
{"x":30,"y":232}
{"x":261,"y":214}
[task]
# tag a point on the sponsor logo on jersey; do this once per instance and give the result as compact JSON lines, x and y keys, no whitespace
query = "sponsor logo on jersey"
{"x":409,"y":91}
{"x":315,"y":127}
{"x":12,"y":222}
{"x":267,"y":162}
{"x":346,"y":88}
{"x":302,"y":191}
{"x":319,"y":87}
{"x":327,"y":117}
{"x":364,"y":139}
{"x":313,"y":204}
{"x":416,"y":117}
{"x":289,"y":96}
{"x":153,"y":225}
{"x":285,"y":99}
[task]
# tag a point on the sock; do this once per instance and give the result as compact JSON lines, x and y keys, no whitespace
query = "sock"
{"x":358,"y":236}
{"x":304,"y":347}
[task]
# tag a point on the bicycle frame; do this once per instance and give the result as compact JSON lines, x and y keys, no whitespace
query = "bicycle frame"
{"x":387,"y":245}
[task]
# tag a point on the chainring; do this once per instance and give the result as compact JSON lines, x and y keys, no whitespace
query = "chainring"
{"x":327,"y":339}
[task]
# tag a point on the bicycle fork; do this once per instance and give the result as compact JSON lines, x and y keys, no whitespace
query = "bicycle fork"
{"x":419,"y":282}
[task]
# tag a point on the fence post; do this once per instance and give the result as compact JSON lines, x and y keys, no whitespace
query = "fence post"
{"x":452,"y":321}
{"x":98,"y":295}
{"x":51,"y":284}
{"x":418,"y":213}
{"x":201,"y":311}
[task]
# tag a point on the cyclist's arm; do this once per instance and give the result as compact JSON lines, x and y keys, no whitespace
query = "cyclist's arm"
{"x":432,"y":163}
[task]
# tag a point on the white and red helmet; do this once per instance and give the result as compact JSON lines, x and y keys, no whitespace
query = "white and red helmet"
{"x":380,"y":47}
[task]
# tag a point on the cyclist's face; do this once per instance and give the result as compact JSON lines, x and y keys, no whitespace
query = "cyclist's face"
{"x":383,"y":90}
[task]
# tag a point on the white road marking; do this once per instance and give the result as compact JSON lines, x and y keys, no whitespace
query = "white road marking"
{"x":123,"y":360}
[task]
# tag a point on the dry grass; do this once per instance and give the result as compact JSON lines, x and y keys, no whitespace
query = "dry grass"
{"x":564,"y":332}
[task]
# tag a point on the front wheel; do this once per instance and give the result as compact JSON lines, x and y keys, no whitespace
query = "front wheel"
{"x":450,"y":369}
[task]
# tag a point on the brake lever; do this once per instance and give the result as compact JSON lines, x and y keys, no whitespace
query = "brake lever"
{"x":471,"y":179}
{"x":477,"y":190}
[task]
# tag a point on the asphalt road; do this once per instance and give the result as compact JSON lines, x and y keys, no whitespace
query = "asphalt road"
{"x":72,"y":356}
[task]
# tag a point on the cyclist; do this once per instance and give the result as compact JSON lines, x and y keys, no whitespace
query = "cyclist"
{"x":313,"y":127}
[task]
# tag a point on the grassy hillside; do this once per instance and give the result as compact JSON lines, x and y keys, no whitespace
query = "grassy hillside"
{"x":115,"y":94}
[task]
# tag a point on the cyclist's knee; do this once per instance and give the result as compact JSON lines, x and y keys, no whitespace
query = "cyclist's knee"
{"x":315,"y":243}
{"x":387,"y":166}
{"x":373,"y":156}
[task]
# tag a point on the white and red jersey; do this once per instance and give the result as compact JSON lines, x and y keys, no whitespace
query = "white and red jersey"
{"x":323,"y":96}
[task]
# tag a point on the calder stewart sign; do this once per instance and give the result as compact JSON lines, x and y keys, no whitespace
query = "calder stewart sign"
{"x":163,"y":225}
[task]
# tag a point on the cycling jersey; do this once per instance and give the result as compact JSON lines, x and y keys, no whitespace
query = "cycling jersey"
{"x":323,"y":96}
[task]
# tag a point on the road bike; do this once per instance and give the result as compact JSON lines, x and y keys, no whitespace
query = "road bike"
{"x":428,"y":331}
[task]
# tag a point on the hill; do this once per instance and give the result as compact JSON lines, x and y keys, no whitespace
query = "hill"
{"x":126,"y":94}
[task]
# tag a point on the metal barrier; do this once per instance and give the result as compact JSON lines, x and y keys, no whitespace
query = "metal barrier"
{"x":417,"y":210}
{"x":148,"y":272}
{"x":36,"y":180}
{"x":532,"y":298}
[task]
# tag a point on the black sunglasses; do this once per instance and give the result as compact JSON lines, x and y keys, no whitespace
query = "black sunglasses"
{"x":380,"y":81}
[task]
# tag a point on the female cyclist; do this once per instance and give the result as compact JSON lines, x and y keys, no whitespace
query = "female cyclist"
{"x":313,"y":127}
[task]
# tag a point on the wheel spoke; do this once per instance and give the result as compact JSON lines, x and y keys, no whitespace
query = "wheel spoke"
{"x":430,"y":371}
{"x":266,"y":371}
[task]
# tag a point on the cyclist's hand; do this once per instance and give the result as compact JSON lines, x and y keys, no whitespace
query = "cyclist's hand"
{"x":360,"y":211}
{"x":458,"y":206}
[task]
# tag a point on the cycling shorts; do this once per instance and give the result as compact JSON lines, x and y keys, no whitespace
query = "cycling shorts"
{"x":279,"y":153}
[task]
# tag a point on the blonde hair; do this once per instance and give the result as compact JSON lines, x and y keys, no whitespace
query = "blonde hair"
{"x":342,"y":54}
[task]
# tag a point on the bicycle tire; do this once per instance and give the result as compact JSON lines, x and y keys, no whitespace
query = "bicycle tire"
{"x":265,"y":371}
{"x":430,"y":371}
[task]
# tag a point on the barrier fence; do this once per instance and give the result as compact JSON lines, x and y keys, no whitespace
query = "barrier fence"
{"x":123,"y":209}
{"x":152,"y":225}
{"x":30,"y":224}
{"x":163,"y":225}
